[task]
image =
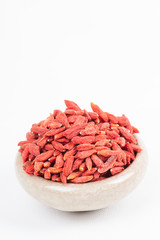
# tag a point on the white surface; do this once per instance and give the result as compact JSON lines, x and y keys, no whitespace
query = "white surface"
{"x":107,"y":52}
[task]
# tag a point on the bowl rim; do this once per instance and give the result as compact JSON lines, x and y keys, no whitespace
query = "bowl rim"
{"x":67,"y":187}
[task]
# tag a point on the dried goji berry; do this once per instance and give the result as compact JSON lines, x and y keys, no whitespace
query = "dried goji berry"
{"x":79,"y":146}
{"x":85,"y":154}
{"x":99,"y":111}
{"x":72,"y":105}
{"x":74,"y":175}
{"x":97,"y":161}
{"x":59,"y":161}
{"x":81,"y":140}
{"x":68,"y":166}
{"x":58,"y":146}
{"x":44,"y":156}
{"x":89,"y":163}
{"x":108,"y":164}
{"x":82,"y":167}
{"x":85,"y":146}
{"x":116,"y":170}
{"x":82,"y":179}
{"x":34,"y":149}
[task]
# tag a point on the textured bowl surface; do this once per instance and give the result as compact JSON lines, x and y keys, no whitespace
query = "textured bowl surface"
{"x":85,"y":196}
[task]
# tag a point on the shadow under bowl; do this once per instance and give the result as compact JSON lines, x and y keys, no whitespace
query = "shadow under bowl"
{"x":85,"y":196}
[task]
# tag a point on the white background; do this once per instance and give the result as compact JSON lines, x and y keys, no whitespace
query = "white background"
{"x":107,"y":52}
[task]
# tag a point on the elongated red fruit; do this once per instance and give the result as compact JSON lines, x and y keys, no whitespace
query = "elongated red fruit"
{"x":99,"y":111}
{"x":82,"y":179}
{"x":77,"y":146}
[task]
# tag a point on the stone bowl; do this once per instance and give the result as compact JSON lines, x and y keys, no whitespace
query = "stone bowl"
{"x":84,"y":196}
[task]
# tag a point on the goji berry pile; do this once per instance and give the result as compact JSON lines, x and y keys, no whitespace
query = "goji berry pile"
{"x":76,"y":146}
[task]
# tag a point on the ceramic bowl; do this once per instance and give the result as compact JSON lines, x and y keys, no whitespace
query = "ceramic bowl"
{"x":85,"y":196}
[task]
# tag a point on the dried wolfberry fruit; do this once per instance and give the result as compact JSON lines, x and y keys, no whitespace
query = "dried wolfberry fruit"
{"x":99,"y":111}
{"x":55,"y":177}
{"x":58,"y":146}
{"x":44,"y":156}
{"x":79,"y":146}
{"x":107,"y":153}
{"x":88,"y":163}
{"x":55,"y":170}
{"x":76,"y":164}
{"x":85,"y":146}
{"x":104,"y":142}
{"x":121,"y":141}
{"x":116,"y":170}
{"x":128,"y":154}
{"x":100,"y":137}
{"x":86,"y":114}
{"x":80,"y":120}
{"x":39,"y":130}
{"x":135,"y":147}
{"x":25,"y":154}
{"x":59,"y":161}
{"x":62,"y":140}
{"x":68,"y":166}
{"x":90,"y":129}
{"x":69,"y":145}
{"x":53,"y":125}
{"x":135,"y":130}
{"x":118,"y":164}
{"x":87,"y":172}
{"x":46,"y":164}
{"x":56,"y":153}
{"x":59,"y":136}
{"x":63,"y":178}
{"x":47,"y":174}
{"x":31,"y":157}
{"x":100,"y":178}
{"x":108,"y":164}
{"x":56,"y":112}
{"x":52,"y":159}
{"x":112,"y":118}
{"x":129,"y":148}
{"x":21,"y":143}
{"x":97,"y":161}
{"x":85,"y":154}
{"x":38,"y":166}
{"x":70,"y":112}
{"x":100,"y":148}
{"x":30,"y":170}
{"x":81,"y":140}
{"x":104,"y":126}
{"x":72,"y":105}
{"x":82,"y":167}
{"x":74,"y":175}
{"x":41,"y":141}
{"x":30,"y":136}
{"x":62,"y":118}
{"x":34,"y":149}
{"x":54,"y":131}
{"x":82,"y":179}
{"x":72,"y":118}
{"x":73,"y":131}
{"x":126,"y":133}
{"x":123,"y":121}
{"x":26,"y":164}
{"x":112,"y":134}
{"x":96,"y":176}
{"x":48,"y":147}
{"x":128,"y":160}
{"x":93,"y":115}
{"x":69,"y":153}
